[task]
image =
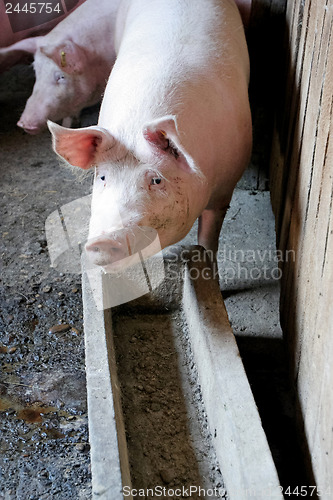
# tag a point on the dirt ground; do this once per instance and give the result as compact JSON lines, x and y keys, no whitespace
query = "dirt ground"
{"x":44,"y":450}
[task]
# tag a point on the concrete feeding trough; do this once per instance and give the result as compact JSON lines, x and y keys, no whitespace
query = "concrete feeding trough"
{"x":183,"y":292}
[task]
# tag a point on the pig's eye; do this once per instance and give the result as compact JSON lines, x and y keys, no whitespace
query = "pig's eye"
{"x":155,"y":181}
{"x":59,"y":77}
{"x":102,"y":177}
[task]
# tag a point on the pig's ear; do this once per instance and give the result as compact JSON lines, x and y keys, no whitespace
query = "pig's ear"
{"x":80,"y":147}
{"x":29,"y":45}
{"x":67,"y":55}
{"x":18,"y":52}
{"x":162,"y":134}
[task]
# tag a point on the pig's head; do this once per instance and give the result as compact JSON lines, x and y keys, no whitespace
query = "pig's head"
{"x":135,"y":199}
{"x":62,"y":86}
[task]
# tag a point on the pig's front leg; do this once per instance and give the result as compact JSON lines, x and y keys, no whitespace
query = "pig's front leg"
{"x":67,"y":122}
{"x":71,"y":121}
{"x":210,"y":223}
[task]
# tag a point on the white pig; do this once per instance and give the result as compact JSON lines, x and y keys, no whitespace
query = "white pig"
{"x":72,"y":64}
{"x":174,"y":133}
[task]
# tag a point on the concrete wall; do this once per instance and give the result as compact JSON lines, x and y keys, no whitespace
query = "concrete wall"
{"x":301,"y":182}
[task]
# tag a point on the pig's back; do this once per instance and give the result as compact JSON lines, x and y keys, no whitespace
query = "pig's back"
{"x":188,"y":30}
{"x":174,"y":57}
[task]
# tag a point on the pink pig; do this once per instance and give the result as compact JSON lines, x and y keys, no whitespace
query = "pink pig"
{"x":174,"y":133}
{"x":72,"y":64}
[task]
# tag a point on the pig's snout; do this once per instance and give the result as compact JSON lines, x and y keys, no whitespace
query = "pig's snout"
{"x":103,"y":251}
{"x":123,"y":248}
{"x":30,"y":129}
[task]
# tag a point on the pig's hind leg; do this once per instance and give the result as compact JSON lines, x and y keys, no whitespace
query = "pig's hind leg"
{"x":210,"y":223}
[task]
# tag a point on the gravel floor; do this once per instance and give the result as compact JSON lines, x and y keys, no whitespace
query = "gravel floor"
{"x":44,"y":450}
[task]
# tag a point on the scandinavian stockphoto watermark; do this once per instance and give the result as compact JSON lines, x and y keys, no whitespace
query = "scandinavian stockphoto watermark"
{"x":141,"y":267}
{"x":231,"y":265}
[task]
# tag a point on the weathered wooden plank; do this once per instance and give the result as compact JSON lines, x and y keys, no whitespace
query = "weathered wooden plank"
{"x":315,"y":368}
{"x":319,"y":421}
{"x":292,"y":204}
{"x":110,"y":468}
{"x":316,"y":183}
{"x":315,"y":64}
{"x":288,"y":121}
{"x":303,"y":149}
{"x":316,"y":375}
{"x":298,"y":146}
